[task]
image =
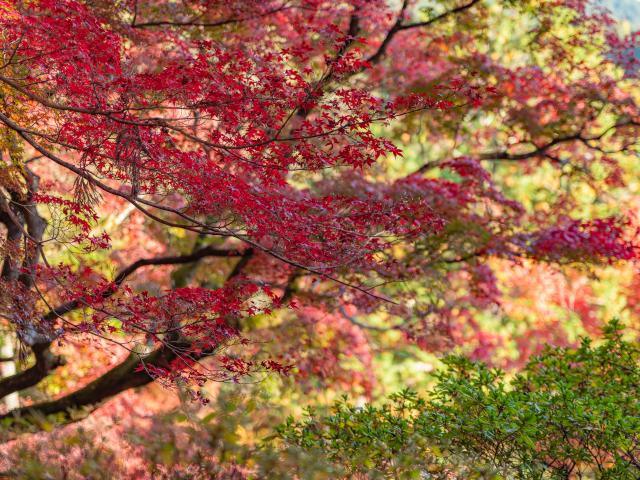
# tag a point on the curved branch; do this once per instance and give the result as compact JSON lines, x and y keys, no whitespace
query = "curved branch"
{"x":399,"y":26}
{"x":131,"y":373}
{"x":134,"y":371}
{"x":542,"y":149}
{"x":441,"y":16}
{"x":45,"y":363}
{"x":382,"y":49}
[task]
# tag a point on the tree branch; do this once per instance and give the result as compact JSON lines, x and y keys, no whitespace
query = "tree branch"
{"x":542,"y":149}
{"x":130,"y":373}
{"x":442,"y":16}
{"x":399,"y":26}
{"x":134,"y":371}
{"x":382,"y":49}
{"x":46,"y":361}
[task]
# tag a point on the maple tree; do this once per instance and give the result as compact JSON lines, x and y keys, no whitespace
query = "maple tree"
{"x":259,"y":141}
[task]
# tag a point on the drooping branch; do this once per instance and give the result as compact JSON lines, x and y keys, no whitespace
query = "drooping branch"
{"x":46,"y":362}
{"x":134,"y":370}
{"x":194,"y":225}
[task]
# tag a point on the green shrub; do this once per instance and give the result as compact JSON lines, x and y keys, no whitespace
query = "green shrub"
{"x":571,"y":413}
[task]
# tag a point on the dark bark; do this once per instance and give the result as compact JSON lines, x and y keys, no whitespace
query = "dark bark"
{"x":36,"y":226}
{"x":399,"y":26}
{"x":131,"y":373}
{"x":13,"y":223}
{"x":46,"y":362}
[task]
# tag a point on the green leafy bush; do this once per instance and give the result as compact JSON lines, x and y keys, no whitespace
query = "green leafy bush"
{"x":571,"y":413}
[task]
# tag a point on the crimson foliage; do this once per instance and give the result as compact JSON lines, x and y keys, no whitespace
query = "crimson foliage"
{"x":263,"y":132}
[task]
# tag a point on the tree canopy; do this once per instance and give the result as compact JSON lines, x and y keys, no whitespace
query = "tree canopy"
{"x":227,"y":191}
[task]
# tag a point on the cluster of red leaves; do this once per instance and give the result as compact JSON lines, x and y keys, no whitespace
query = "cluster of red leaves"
{"x":600,"y":240}
{"x":79,"y":217}
{"x":266,"y":137}
{"x":328,"y":350}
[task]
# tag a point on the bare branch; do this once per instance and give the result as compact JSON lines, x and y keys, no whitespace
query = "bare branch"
{"x":542,"y":149}
{"x":399,"y":26}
